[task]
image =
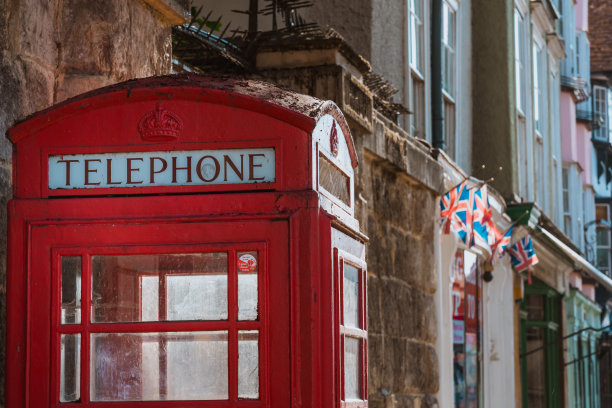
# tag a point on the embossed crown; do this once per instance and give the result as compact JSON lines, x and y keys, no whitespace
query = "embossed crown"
{"x":160,"y":124}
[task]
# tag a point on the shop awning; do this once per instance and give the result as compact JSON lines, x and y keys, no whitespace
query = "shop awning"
{"x":582,"y":263}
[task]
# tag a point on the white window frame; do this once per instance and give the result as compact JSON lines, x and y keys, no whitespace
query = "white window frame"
{"x":600,"y":110}
{"x":607,"y":247}
{"x":418,"y":78}
{"x":449,"y":75}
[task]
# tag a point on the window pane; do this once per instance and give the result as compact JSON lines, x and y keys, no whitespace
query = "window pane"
{"x":71,"y":290}
{"x":535,"y":307}
{"x":159,"y":287}
{"x":603,"y":257}
{"x":536,"y":368}
{"x":248,"y":268}
{"x":352,"y":368}
{"x":248,"y":364}
{"x":159,"y":366}
{"x":70,"y":368}
{"x":602,"y":237}
{"x":351,"y":296}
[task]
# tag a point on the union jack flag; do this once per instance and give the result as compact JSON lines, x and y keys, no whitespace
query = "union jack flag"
{"x":502,"y":244}
{"x":456,"y":210}
{"x":522,"y":254}
{"x":485,"y":231}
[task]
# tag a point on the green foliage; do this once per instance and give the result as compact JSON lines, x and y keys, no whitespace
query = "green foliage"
{"x":212,"y":25}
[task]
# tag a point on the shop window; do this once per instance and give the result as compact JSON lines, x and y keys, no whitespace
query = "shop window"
{"x":352,"y":334}
{"x":467,"y":329}
{"x":540,"y":349}
{"x":158,"y":327}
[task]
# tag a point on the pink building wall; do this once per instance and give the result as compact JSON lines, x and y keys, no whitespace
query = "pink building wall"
{"x":583,"y":137}
{"x":569,"y":145}
{"x":582,"y":15}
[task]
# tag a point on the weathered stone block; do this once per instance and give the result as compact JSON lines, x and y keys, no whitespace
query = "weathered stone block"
{"x":378,"y":251}
{"x":376,"y":359}
{"x":406,"y":258}
{"x":429,"y":273}
{"x":5,"y":195}
{"x":36,"y":37}
{"x":407,"y":312}
{"x":411,"y":367}
{"x":107,"y":38}
{"x":374,"y":309}
{"x":72,"y":85}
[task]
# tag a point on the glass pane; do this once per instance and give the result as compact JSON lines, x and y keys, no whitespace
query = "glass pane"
{"x":352,"y":368}
{"x":535,"y":307}
{"x":248,"y":268}
{"x":332,"y":179}
{"x":159,"y":366}
{"x":603,"y":257}
{"x":602,"y":237}
{"x":71,"y":290}
{"x":248,"y":364}
{"x":70,"y":368}
{"x":536,"y":368}
{"x":351,"y":296}
{"x":159,"y":287}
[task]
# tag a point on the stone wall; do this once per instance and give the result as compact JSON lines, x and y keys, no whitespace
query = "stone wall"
{"x":51,"y":50}
{"x":398,"y":212}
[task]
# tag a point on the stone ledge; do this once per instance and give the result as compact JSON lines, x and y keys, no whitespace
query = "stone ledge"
{"x":172,"y":12}
{"x":404,"y":156}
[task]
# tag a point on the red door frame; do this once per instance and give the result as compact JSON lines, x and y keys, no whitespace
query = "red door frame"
{"x":309,"y":271}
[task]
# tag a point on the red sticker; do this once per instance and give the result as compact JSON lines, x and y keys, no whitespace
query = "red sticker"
{"x":247,"y":263}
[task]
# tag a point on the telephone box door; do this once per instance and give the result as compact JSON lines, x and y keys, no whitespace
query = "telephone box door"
{"x":177,"y":312}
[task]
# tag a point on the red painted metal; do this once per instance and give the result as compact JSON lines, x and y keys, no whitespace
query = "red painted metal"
{"x":299,"y":310}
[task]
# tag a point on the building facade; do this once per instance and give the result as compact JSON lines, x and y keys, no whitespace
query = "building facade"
{"x":437,"y":93}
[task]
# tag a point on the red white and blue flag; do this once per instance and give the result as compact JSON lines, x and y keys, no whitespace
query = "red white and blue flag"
{"x":502,"y":244}
{"x":522,"y":254}
{"x":456,"y":210}
{"x":486,"y":234}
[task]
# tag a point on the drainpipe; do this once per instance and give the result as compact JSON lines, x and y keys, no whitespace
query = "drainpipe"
{"x":437,"y":104}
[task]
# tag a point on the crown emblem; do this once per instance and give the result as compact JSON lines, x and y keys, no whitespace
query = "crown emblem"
{"x":333,"y":139}
{"x":160,"y":124}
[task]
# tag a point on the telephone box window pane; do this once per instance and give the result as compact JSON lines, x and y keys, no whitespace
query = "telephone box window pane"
{"x":196,"y":297}
{"x":71,"y":290}
{"x":159,"y":287}
{"x":351,"y":296}
{"x":332,"y":179}
{"x":70,"y":368}
{"x":159,"y":366}
{"x":248,"y":364}
{"x":248,"y":268}
{"x":352,"y":368}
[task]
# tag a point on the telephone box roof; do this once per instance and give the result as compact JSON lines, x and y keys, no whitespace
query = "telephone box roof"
{"x":299,"y":110}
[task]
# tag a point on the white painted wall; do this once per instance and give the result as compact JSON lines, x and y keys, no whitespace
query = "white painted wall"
{"x":498,"y":337}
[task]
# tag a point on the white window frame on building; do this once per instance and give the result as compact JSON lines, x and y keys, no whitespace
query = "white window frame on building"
{"x":521,"y":58}
{"x":604,"y":239}
{"x":449,"y":74}
{"x":552,"y":202}
{"x":566,"y":194}
{"x":600,"y":112}
{"x":417,"y":40}
{"x":539,"y":64}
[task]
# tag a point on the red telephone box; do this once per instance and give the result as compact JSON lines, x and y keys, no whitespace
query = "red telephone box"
{"x":186,"y":241}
